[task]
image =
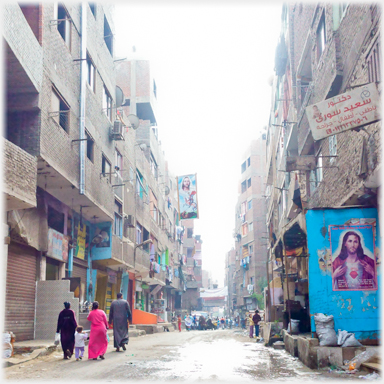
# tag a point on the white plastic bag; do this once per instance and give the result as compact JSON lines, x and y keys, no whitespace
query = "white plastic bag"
{"x":295,"y":326}
{"x":325,"y":329}
{"x":351,"y":341}
{"x":57,"y":339}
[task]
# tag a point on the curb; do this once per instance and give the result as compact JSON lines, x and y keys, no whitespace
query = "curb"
{"x":52,"y":348}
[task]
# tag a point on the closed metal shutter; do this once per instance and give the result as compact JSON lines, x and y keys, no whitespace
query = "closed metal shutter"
{"x":20,"y":292}
{"x":79,"y":271}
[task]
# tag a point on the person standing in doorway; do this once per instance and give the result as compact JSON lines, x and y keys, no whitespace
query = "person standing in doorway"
{"x":256,"y":319}
{"x":67,"y":324}
{"x":119,"y":315}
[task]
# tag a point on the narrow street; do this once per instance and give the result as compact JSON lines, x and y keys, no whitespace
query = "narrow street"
{"x":219,"y":355}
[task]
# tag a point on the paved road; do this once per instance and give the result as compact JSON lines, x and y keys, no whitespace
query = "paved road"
{"x":219,"y":355}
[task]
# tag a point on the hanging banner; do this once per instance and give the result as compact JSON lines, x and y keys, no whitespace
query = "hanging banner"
{"x":187,"y":196}
{"x":80,"y":245}
{"x":349,"y":110}
{"x":353,"y":260}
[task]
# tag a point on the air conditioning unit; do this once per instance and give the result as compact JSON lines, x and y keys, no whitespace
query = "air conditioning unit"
{"x":129,"y":221}
{"x":117,"y":130}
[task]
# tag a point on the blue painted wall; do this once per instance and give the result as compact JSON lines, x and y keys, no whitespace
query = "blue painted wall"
{"x":353,"y":311}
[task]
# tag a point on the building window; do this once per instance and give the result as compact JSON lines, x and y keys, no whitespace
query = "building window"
{"x":250,"y":227}
{"x":108,"y":37}
{"x":249,"y":183}
{"x":244,"y":229}
{"x":90,"y":146}
{"x":319,"y":169}
{"x":338,"y":14}
{"x":189,"y":232}
{"x":118,"y":224}
{"x":92,"y":6}
{"x":60,"y":111}
{"x":107,"y":103}
{"x":373,"y":63}
{"x":249,"y":205}
{"x":189,"y":252}
{"x":332,"y":147}
{"x":91,"y":73}
{"x":64,"y":24}
{"x":243,"y":186}
{"x":139,"y":184}
{"x":154,"y":89}
{"x":118,"y":162}
{"x":55,"y":219}
{"x":249,"y":161}
{"x":139,"y":233}
{"x":250,"y":250}
{"x":153,"y":166}
{"x":243,"y":167}
{"x":106,"y":168}
{"x":320,"y":37}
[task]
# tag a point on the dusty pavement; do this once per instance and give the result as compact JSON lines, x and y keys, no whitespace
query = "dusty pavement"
{"x":220,"y":355}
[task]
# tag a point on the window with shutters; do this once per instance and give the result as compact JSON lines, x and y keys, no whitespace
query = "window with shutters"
{"x":90,"y":146}
{"x":108,"y":36}
{"x":118,"y":224}
{"x":243,"y":186}
{"x":374,"y":63}
{"x":249,"y":182}
{"x":91,"y":73}
{"x":107,"y":103}
{"x":106,"y":168}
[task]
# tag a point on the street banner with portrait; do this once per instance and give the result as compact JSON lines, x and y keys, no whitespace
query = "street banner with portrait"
{"x":353,"y":260}
{"x":187,"y":196}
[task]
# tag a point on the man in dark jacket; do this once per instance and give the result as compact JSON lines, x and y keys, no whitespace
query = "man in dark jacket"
{"x":256,"y":318}
{"x":119,"y":315}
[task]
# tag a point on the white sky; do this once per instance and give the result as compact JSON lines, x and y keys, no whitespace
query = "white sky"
{"x":211,"y":65}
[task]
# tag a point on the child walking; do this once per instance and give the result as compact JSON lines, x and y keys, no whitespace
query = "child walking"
{"x":80,"y":337}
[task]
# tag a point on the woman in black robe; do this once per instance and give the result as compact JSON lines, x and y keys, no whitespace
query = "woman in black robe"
{"x":67,"y":325}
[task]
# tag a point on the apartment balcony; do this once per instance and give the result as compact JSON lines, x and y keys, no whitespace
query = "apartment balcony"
{"x":20,"y":175}
{"x":24,"y":55}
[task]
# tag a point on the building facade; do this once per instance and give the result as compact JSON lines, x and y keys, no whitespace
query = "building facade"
{"x":323,"y":178}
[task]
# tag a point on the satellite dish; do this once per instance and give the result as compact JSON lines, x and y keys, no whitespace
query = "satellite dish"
{"x":166,"y":190}
{"x":120,"y":98}
{"x":134,"y":121}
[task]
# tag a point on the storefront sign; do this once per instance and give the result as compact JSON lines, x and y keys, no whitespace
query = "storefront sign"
{"x":80,"y":246}
{"x":112,"y":277}
{"x":138,"y":286}
{"x":57,"y":245}
{"x":349,"y":110}
{"x":144,"y":286}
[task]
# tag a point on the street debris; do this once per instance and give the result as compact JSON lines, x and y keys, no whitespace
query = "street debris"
{"x":371,"y":376}
{"x":361,"y":358}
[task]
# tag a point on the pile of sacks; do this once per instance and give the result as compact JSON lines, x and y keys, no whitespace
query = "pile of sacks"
{"x":325,"y":329}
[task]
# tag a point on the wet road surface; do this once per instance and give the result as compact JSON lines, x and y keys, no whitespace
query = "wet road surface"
{"x":219,"y":355}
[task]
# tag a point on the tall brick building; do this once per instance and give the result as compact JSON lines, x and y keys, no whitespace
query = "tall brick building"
{"x":320,"y":187}
{"x":83,"y":192}
{"x":250,"y":232}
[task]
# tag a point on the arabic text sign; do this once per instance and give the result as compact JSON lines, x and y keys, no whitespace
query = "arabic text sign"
{"x":346,"y":111}
{"x":80,"y":246}
{"x":57,"y":245}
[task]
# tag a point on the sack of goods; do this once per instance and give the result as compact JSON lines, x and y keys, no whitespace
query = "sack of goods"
{"x":325,"y":329}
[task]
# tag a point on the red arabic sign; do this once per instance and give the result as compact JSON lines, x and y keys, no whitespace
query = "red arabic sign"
{"x":349,"y":110}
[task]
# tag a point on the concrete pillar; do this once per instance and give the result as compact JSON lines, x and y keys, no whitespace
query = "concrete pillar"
{"x":62,"y":271}
{"x":43,"y":267}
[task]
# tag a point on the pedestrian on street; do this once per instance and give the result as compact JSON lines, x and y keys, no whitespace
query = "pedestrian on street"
{"x":80,"y":338}
{"x":222,"y":321}
{"x":202,"y":323}
{"x":188,"y":322}
{"x":67,"y":324}
{"x":251,"y":324}
{"x":256,"y":319}
{"x":119,"y":315}
{"x":179,"y":322}
{"x":98,"y":342}
{"x":243,"y":323}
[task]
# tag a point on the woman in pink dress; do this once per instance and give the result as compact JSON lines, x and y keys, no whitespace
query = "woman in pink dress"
{"x":98,"y":342}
